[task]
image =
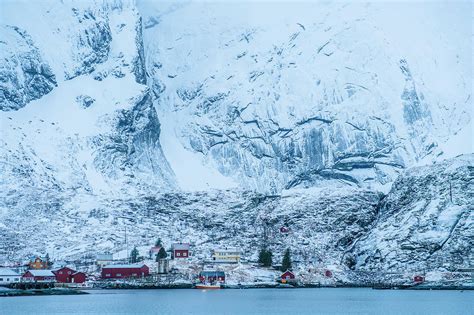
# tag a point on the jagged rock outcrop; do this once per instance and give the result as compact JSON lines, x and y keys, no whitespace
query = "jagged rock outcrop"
{"x":24,"y":75}
{"x":297,"y":99}
{"x":425,"y":222}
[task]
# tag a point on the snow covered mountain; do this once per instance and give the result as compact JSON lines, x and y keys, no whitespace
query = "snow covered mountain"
{"x":219,"y":123}
{"x":278,"y":95}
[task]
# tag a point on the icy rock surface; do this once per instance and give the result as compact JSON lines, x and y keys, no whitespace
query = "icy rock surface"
{"x":24,"y":75}
{"x":295,"y":96}
{"x":426,"y":221}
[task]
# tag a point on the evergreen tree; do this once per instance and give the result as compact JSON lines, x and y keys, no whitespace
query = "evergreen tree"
{"x":286,"y":262}
{"x":134,"y":255}
{"x":161,"y":254}
{"x":265,"y":257}
{"x":158,"y":242}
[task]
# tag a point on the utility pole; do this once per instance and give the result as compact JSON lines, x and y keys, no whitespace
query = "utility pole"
{"x":126,"y":244}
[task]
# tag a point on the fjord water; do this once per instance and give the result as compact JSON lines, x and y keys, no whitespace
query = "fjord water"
{"x":251,"y":301}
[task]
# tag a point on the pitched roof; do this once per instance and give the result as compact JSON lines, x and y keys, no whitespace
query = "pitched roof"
{"x":124,"y":266}
{"x":181,"y":246}
{"x":7,"y":272}
{"x":41,"y":273}
{"x":212,"y":273}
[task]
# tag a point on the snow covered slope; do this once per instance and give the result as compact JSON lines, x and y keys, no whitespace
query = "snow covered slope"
{"x":426,"y":221}
{"x":269,"y":115}
{"x":90,"y":125}
{"x":278,"y":95}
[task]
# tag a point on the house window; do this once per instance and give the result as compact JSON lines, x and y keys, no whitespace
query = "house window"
{"x":119,"y":275}
{"x":185,"y":254}
{"x":107,"y":274}
{"x":134,"y":274}
{"x":1,"y":279}
{"x":68,"y":272}
{"x":60,"y":272}
{"x":178,"y":254}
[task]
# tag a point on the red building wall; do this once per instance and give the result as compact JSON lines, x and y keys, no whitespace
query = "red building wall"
{"x":64,"y":275}
{"x":117,"y":273}
{"x":287,"y":275}
{"x":79,"y":277}
{"x":181,"y":253}
{"x":28,"y":276}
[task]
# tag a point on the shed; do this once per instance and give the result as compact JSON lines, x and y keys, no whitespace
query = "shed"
{"x":125,"y":271}
{"x":287,"y":276}
{"x":39,"y":276}
{"x":8,"y":276}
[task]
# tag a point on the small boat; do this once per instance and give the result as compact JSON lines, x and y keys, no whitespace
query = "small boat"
{"x":208,"y":286}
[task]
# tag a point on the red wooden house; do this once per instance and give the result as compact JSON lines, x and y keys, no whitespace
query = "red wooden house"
{"x":287,"y":276}
{"x":68,"y":275}
{"x":418,"y":279}
{"x":79,"y":277}
{"x":39,"y":276}
{"x":180,"y":250}
{"x":125,"y":271}
{"x":64,"y":274}
{"x":328,"y":273}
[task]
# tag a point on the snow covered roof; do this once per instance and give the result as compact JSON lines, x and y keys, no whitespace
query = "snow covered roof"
{"x":181,"y":246}
{"x":41,"y":273}
{"x":7,"y":272}
{"x":227,"y":250}
{"x":104,"y":257}
{"x":125,"y":266}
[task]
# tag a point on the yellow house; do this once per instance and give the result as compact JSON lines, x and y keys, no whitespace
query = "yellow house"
{"x":226,"y":255}
{"x":38,"y":263}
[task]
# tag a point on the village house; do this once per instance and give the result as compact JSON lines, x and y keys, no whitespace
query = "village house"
{"x":287,"y":276}
{"x":212,"y":276}
{"x":154,"y":251}
{"x":226,"y":255}
{"x":68,"y":275}
{"x":8,"y":276}
{"x":418,"y":279}
{"x":37,"y":263}
{"x":39,"y":276}
{"x":125,"y":271}
{"x":180,"y":250}
{"x":104,"y":259}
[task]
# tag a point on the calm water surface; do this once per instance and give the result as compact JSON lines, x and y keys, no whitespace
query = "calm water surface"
{"x":250,"y":301}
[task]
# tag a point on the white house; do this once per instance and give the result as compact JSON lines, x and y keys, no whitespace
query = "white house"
{"x":8,"y":276}
{"x":226,"y":255}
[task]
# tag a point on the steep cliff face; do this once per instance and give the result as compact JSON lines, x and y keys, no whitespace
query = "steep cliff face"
{"x":87,"y":122}
{"x":24,"y":75}
{"x":293,"y":96}
{"x":425,"y":222}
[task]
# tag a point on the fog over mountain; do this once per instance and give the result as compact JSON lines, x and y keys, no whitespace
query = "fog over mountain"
{"x":217,"y":123}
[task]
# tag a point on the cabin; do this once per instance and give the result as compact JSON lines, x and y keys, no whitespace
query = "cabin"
{"x":104,"y":259}
{"x":37,"y":262}
{"x":418,"y":279}
{"x":125,"y":271}
{"x":39,"y":276}
{"x":68,"y":275}
{"x":212,"y":276}
{"x":284,"y":230}
{"x":154,"y":251}
{"x":64,"y":274}
{"x":78,"y":277}
{"x":287,"y":276}
{"x":8,"y":276}
{"x":180,"y":250}
{"x":226,"y":255}
{"x":328,"y":273}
